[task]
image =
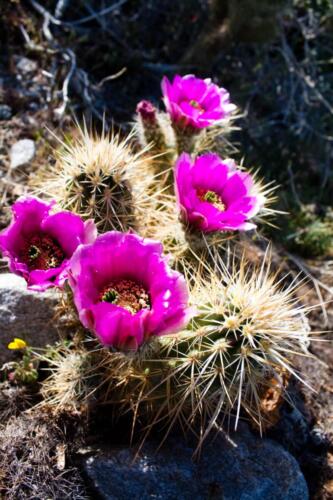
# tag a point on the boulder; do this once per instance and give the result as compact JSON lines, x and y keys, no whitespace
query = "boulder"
{"x":253,"y":469}
{"x":25,"y":314}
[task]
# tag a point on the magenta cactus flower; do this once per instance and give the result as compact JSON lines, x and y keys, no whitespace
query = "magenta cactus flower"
{"x":39,"y":243}
{"x":125,"y":291}
{"x":194,"y":102}
{"x":213,"y":195}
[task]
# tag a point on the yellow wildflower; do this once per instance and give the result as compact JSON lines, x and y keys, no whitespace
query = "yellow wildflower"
{"x":17,"y":344}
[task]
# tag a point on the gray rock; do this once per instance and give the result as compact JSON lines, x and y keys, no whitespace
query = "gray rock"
{"x":5,"y":112}
{"x":256,"y":469}
{"x":25,"y":65}
{"x":25,"y":314}
{"x":22,"y":152}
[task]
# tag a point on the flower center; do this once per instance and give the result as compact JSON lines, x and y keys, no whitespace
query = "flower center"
{"x":197,"y":106}
{"x":33,"y":252}
{"x":127,"y":294}
{"x":211,"y":197}
{"x":43,"y":252}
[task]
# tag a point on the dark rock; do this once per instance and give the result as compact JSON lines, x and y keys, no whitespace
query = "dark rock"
{"x":319,"y":438}
{"x":5,"y":112}
{"x":292,"y":430}
{"x":256,"y":469}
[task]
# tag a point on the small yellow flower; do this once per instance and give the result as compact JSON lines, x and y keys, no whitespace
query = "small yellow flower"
{"x":17,"y":344}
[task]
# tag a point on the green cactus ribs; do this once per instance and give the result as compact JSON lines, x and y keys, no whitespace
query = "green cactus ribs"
{"x":102,"y":197}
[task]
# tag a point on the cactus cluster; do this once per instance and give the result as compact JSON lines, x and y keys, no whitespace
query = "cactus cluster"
{"x":200,"y":351}
{"x":237,"y":347}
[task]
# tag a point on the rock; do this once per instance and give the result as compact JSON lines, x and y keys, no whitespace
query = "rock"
{"x":292,"y":430}
{"x":25,"y":314}
{"x":25,"y":65}
{"x":256,"y":469}
{"x":5,"y":112}
{"x":22,"y":152}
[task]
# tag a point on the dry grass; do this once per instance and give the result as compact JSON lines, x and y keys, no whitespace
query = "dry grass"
{"x":33,"y":455}
{"x":13,"y":400}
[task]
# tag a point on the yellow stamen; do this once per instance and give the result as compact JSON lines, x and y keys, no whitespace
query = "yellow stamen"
{"x":196,"y":105}
{"x":212,"y":198}
{"x":126,"y":294}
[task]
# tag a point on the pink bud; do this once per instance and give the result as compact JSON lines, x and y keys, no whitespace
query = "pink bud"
{"x":147,"y":111}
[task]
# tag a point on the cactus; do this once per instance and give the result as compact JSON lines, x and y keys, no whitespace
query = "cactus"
{"x":233,"y":361}
{"x":153,"y":128}
{"x":94,"y":177}
{"x":237,"y":352}
{"x":235,"y":356}
{"x":69,"y":385}
{"x":168,"y":139}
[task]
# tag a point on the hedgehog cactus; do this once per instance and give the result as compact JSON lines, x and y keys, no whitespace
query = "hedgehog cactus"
{"x":69,"y":384}
{"x":242,"y":339}
{"x":238,"y":347}
{"x":150,"y":128}
{"x":214,"y":200}
{"x":93,"y":177}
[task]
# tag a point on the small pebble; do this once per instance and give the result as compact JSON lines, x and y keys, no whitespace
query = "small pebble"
{"x":25,"y":65}
{"x":22,"y":152}
{"x":5,"y":112}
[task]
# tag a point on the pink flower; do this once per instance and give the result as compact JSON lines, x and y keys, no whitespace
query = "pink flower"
{"x":195,"y":102}
{"x":213,"y":195}
{"x":39,"y":243}
{"x":125,"y":291}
